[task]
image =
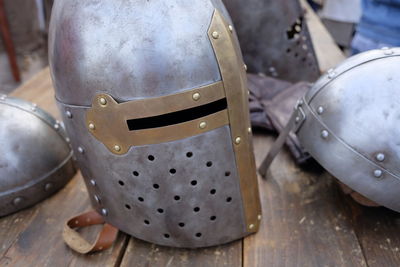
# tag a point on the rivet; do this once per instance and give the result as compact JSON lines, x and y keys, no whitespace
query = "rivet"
{"x":68,"y":114}
{"x":331,"y":74}
{"x":48,"y":187}
{"x":117,"y":148}
{"x":91,"y":126}
{"x":202,"y":125}
{"x":249,"y":130}
{"x":238,"y":140}
{"x":17,"y":201}
{"x":67,"y":140}
{"x":324,"y":134}
{"x":102,"y":101}
{"x":380,"y":157}
{"x":215,"y":35}
{"x":297,"y":119}
{"x":251,"y":226}
{"x":320,"y":110}
{"x":93,"y":182}
{"x":259,"y":217}
{"x":230,"y":28}
{"x":196,"y":96}
{"x":57,"y":126}
{"x":387,"y":51}
{"x":378,"y":173}
{"x":3,"y":97}
{"x":104,"y":212}
{"x":97,"y":199}
{"x":245,"y":67}
{"x":81,"y":150}
{"x":34,"y":106}
{"x":300,"y":102}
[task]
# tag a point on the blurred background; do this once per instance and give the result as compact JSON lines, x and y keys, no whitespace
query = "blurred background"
{"x":27,"y":23}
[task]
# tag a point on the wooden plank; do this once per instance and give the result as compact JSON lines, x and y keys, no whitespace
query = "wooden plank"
{"x":377,"y":230}
{"x":140,"y":253}
{"x":304,"y":218}
{"x":34,"y":235}
{"x":328,"y":53}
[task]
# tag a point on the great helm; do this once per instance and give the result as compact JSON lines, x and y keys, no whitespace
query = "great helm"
{"x":36,"y":159}
{"x":154,"y":99}
{"x":349,"y":122}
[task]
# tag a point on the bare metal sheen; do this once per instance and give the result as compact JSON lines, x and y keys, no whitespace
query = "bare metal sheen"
{"x":350,"y":124}
{"x":182,"y":193}
{"x":36,"y":159}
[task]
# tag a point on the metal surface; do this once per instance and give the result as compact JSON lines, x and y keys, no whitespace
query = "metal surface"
{"x":191,"y":186}
{"x":274,"y":38}
{"x":356,"y":136}
{"x":36,"y":159}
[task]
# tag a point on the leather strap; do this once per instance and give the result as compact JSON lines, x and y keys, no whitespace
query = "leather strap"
{"x":75,"y":241}
{"x":276,"y":147}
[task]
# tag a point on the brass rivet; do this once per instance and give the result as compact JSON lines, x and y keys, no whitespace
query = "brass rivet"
{"x":48,"y":187}
{"x":251,"y":226}
{"x":91,"y":126}
{"x":245,"y":67}
{"x":117,"y":148}
{"x":17,"y":201}
{"x":249,"y":130}
{"x":259,"y":217}
{"x":102,"y":101}
{"x":203,"y":125}
{"x":196,"y":96}
{"x":215,"y":35}
{"x":238,"y":140}
{"x":230,"y":28}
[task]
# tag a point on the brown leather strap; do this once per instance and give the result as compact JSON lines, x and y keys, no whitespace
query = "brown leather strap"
{"x":76,"y":242}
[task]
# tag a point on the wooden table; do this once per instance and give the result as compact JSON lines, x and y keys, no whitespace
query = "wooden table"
{"x":307,"y":220}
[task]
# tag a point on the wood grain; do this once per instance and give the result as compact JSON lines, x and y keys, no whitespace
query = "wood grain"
{"x":140,"y":253}
{"x":304,"y":223}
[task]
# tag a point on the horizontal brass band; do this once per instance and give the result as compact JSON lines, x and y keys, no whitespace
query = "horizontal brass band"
{"x":107,"y":123}
{"x":150,"y":107}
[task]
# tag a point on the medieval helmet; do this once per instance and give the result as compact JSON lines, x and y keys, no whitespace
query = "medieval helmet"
{"x":155,"y":102}
{"x":348,"y":122}
{"x":274,"y":38}
{"x":36,"y":159}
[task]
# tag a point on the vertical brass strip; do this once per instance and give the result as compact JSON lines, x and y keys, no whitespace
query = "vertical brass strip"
{"x":233,"y":74}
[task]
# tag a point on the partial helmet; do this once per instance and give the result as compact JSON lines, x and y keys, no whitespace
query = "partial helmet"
{"x":348,"y":122}
{"x":36,"y":159}
{"x":274,"y":38}
{"x":155,"y":101}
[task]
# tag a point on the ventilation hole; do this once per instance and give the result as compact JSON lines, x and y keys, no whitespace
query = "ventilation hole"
{"x":151,"y":157}
{"x":209,"y":164}
{"x":135,"y":173}
{"x":121,"y":183}
{"x":296,"y":55}
{"x":172,"y":171}
{"x":177,"y":198}
{"x":196,"y":209}
{"x":146,"y":222}
{"x":227,"y":173}
{"x":213,"y":218}
{"x":228,"y":199}
{"x":288,"y":50}
{"x":156,"y":186}
{"x":194,"y":182}
{"x":303,"y":59}
{"x":166,"y":235}
{"x":181,"y":224}
{"x":140,"y":199}
{"x":213,"y":191}
{"x":160,"y":210}
{"x":198,"y":234}
{"x":127,"y":206}
{"x":295,"y":28}
{"x":189,"y":154}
